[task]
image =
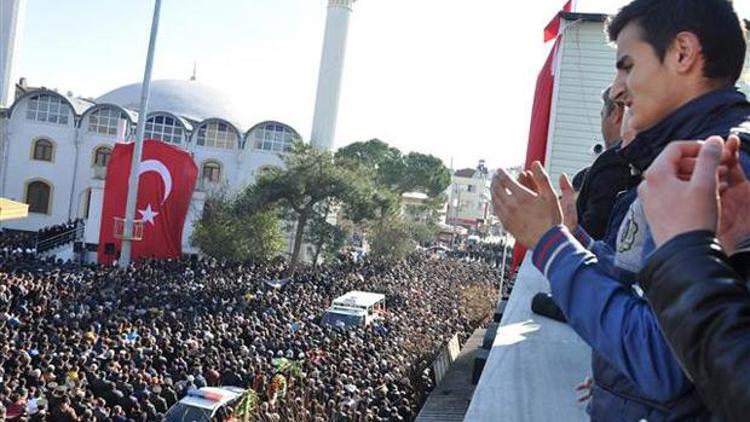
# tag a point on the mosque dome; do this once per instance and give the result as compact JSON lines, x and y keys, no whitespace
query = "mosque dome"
{"x":189,"y":99}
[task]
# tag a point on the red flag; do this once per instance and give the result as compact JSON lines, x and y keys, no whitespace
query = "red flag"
{"x":536,"y":149}
{"x":553,"y":27}
{"x":166,"y":181}
{"x":540,"y":112}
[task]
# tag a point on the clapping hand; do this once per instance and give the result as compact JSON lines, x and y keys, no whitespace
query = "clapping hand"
{"x":696,"y":185}
{"x":528,"y":208}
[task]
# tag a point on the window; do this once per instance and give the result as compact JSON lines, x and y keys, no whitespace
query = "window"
{"x":105,"y":121}
{"x":38,"y":196}
{"x":43,"y":149}
{"x":471,"y":188}
{"x":47,"y":108}
{"x":101,"y":156}
{"x":212,"y":172}
{"x":86,"y":203}
{"x":165,"y":128}
{"x":217,"y":135}
{"x":273,"y":137}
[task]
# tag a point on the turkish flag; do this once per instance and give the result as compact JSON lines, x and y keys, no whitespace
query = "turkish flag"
{"x":553,"y":27}
{"x":166,"y":181}
{"x":538,"y":131}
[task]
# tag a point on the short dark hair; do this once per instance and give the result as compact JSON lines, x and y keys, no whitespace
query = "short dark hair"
{"x":715,"y":23}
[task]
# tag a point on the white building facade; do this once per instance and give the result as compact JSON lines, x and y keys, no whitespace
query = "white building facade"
{"x":54,"y":148}
{"x":470,"y":199}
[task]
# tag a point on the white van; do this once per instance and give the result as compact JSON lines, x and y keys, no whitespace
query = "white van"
{"x":355,"y":309}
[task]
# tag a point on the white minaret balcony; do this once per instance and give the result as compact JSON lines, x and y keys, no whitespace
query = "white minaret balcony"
{"x":341,"y":3}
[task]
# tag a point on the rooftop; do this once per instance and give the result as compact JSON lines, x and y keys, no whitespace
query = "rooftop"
{"x":189,"y":99}
{"x":467,"y":172}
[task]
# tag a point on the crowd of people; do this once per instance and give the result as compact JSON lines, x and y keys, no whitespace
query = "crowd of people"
{"x":653,"y":272}
{"x":17,"y":241}
{"x":490,"y":253}
{"x":59,"y":234}
{"x":47,"y":237}
{"x":93,"y":343}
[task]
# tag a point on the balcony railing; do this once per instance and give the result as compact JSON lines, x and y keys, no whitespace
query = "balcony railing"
{"x":534,"y":365}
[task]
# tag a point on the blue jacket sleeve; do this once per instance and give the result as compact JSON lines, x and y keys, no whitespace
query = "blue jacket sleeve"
{"x":603,"y":251}
{"x":609,"y":316}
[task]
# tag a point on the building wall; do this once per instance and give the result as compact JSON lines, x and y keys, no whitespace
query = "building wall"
{"x":585,"y":68}
{"x":72,"y":173}
{"x":22,"y":169}
{"x":471,"y":205}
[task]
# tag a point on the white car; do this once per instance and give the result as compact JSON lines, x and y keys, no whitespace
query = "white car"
{"x":201,"y":405}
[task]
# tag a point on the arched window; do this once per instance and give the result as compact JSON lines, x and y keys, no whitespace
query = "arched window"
{"x":43,"y":150}
{"x":38,"y":197}
{"x":105,"y":121}
{"x":101,"y":156}
{"x":212,"y":172}
{"x":47,"y":108}
{"x":273,"y":137}
{"x":218,"y":135}
{"x":165,"y":128}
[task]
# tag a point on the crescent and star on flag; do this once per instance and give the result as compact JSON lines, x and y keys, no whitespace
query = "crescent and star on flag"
{"x":148,"y":214}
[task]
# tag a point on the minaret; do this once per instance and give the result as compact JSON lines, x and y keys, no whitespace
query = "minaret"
{"x":11,"y":18}
{"x":331,"y":69}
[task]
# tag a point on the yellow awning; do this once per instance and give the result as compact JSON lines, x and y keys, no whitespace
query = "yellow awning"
{"x":10,"y":210}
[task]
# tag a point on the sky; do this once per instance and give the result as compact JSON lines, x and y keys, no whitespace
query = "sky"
{"x":450,"y":78}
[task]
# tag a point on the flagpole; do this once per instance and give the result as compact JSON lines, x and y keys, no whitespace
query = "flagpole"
{"x":127,"y":243}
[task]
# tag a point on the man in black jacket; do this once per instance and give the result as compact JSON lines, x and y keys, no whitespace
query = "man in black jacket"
{"x":607,"y":176}
{"x":700,"y":295}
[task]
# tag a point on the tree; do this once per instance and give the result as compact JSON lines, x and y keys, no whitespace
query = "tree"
{"x":223,"y":233}
{"x":392,"y":239}
{"x":425,"y":173}
{"x":309,"y":180}
{"x":399,"y":173}
{"x":385,"y":162}
{"x":427,"y":211}
{"x":326,"y":238}
{"x":424,"y":233}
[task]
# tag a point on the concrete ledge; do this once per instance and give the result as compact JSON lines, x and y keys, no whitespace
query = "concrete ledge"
{"x":534,"y":365}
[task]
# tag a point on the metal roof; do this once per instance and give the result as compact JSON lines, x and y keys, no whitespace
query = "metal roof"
{"x":467,"y":172}
{"x":586,"y":17}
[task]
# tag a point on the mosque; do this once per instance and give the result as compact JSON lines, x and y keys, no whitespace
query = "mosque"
{"x":54,"y":147}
